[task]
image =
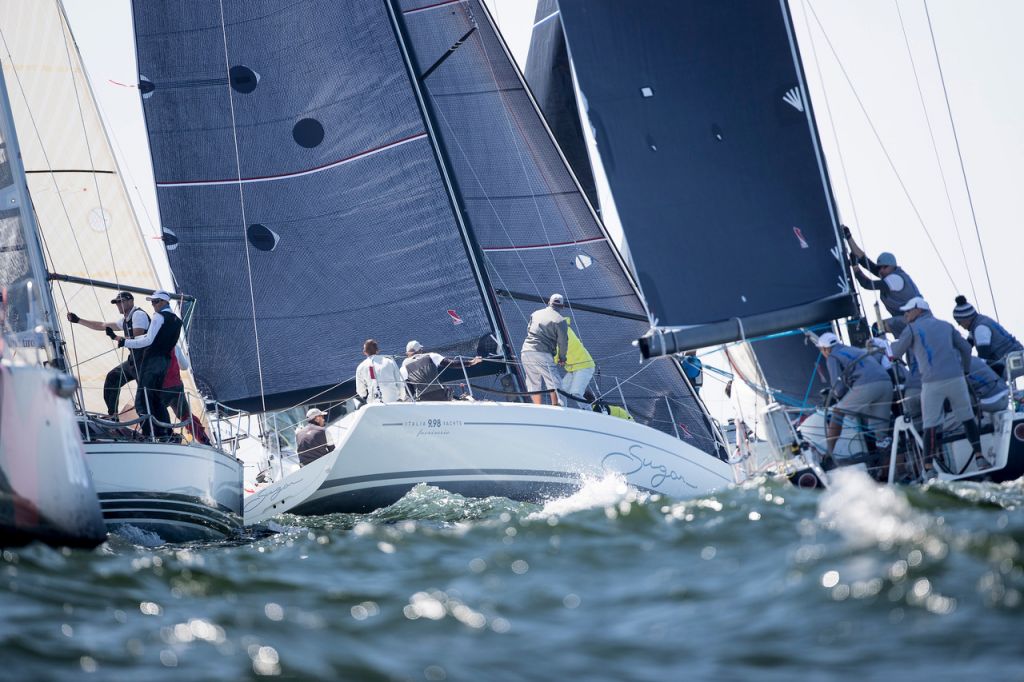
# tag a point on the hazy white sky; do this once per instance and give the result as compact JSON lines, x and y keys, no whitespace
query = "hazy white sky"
{"x":982,"y":59}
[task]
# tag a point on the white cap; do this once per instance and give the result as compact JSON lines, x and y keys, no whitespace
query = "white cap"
{"x":159,"y":296}
{"x":413,"y":346}
{"x":827,"y":340}
{"x":556,"y":299}
{"x":313,"y":413}
{"x":916,"y":302}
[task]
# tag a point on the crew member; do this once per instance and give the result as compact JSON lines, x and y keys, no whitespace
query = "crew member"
{"x":157,"y":345}
{"x":862,"y":388}
{"x":377,"y":377}
{"x":988,"y":387}
{"x":311,"y":439}
{"x":990,"y":338}
{"x":133,"y":322}
{"x":547,"y":335}
{"x":943,"y":357}
{"x":694,"y":370}
{"x":579,"y":366}
{"x":894,"y":285}
{"x":421,"y":372}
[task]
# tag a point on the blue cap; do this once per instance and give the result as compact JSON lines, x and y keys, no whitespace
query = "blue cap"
{"x":886,"y":258}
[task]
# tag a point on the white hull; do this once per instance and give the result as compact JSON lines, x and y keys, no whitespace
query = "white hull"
{"x":45,"y":490}
{"x":180,"y":492}
{"x":514,"y":450}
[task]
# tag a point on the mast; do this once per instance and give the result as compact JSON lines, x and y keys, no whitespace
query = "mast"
{"x":19,"y":198}
{"x":413,"y":70}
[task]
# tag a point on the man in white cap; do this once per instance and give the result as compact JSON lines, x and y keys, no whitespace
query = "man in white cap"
{"x":422,"y":371}
{"x":311,"y":440}
{"x":133,"y":322}
{"x":943,"y":357}
{"x":861,"y":386}
{"x":894,"y":285}
{"x":546,"y":343}
{"x":377,"y":377}
{"x":988,"y":337}
{"x":157,"y":345}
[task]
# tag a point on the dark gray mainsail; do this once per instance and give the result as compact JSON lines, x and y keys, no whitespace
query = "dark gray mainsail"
{"x":707,"y":136}
{"x":300,"y":197}
{"x":534,"y":227}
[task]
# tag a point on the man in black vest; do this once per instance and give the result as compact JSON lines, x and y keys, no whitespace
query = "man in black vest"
{"x":134,"y":322}
{"x":156,"y":346}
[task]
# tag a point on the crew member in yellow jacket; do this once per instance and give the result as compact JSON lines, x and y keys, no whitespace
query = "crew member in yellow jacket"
{"x":579,"y":366}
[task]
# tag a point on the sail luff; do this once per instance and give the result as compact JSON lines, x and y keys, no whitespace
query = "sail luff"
{"x":17,"y":198}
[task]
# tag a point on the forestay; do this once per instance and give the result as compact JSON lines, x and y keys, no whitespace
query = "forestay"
{"x":300,"y":197}
{"x":707,"y":137}
{"x":82,"y":208}
{"x":535,"y":229}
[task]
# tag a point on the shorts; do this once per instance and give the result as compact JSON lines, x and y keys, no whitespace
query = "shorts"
{"x":935,"y":393}
{"x":871,"y":403}
{"x":540,"y":371}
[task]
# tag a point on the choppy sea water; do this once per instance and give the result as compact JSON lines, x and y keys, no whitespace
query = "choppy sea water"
{"x":763,"y":582}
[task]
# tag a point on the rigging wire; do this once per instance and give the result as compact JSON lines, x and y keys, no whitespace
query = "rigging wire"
{"x":963,"y":169}
{"x":885,"y":150}
{"x":935,"y":148}
{"x":241,"y":200}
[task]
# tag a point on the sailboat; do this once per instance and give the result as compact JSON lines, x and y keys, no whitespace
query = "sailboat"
{"x":46,"y":493}
{"x":390,"y":176}
{"x":701,"y":122}
{"x":92,"y":247}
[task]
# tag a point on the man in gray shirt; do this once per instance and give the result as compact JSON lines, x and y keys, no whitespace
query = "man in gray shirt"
{"x":547,"y":336}
{"x":311,"y":439}
{"x":943,"y":357}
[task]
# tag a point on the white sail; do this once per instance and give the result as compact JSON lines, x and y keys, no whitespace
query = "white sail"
{"x":82,"y":206}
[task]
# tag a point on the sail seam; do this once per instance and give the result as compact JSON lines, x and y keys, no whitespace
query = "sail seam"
{"x":295,"y":174}
{"x":434,"y":6}
{"x":554,"y":245}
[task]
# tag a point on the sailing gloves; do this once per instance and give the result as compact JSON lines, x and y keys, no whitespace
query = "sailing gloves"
{"x":110,"y":332}
{"x":72,"y":318}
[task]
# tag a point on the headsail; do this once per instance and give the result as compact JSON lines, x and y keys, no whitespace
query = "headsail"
{"x":708,"y":140}
{"x":535,"y":229}
{"x":82,"y":208}
{"x":300,"y":197}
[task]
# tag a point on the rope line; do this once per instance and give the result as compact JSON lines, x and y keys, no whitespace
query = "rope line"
{"x":963,"y":169}
{"x":241,"y":200}
{"x":881,"y":144}
{"x":935,"y":149}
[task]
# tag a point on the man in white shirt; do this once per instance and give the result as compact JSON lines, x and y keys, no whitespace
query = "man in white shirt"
{"x":134,"y":322}
{"x":377,"y":377}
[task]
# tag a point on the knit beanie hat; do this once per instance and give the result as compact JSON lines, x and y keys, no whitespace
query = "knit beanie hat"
{"x":963,"y":309}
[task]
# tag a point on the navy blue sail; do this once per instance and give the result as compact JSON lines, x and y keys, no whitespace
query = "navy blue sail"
{"x":301,"y":200}
{"x":706,"y":133}
{"x":549,"y":74}
{"x":532,"y":223}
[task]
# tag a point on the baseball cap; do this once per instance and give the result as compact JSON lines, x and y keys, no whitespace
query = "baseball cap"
{"x":413,"y":346}
{"x":916,"y":302}
{"x":313,"y":412}
{"x":827,"y":340}
{"x":556,"y":299}
{"x":122,"y":296}
{"x":159,"y":295}
{"x":886,"y":258}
